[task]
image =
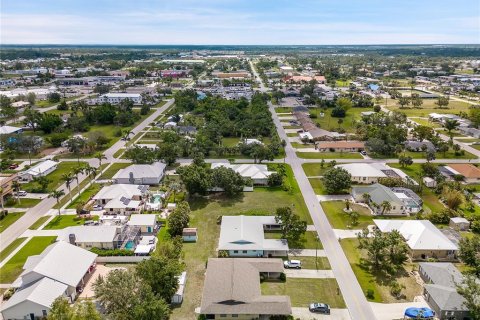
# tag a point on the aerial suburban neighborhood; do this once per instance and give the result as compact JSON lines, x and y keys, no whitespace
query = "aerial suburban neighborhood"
{"x":272,"y":182}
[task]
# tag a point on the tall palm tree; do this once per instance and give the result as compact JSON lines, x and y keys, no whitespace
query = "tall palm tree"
{"x":16,"y":188}
{"x":100,"y":156}
{"x":386,"y":207}
{"x":77,"y":171}
{"x":1,"y":197}
{"x":57,"y":194}
{"x":91,"y":172}
{"x":68,"y":177}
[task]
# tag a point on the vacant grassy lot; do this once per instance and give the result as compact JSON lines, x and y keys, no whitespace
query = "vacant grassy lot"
{"x":329,"y":155}
{"x":302,"y":292}
{"x":317,"y":185}
{"x":60,"y":222}
{"x":40,"y":221}
{"x":339,"y":219}
{"x":428,"y":107}
{"x":9,"y":220}
{"x":378,"y":283}
{"x":22,"y":203}
{"x":55,"y":177}
{"x":426,"y":122}
{"x":110,"y":172}
{"x":330,"y":123}
{"x":204,"y":215}
{"x":301,"y":145}
{"x":12,"y":246}
{"x":13,"y":268}
{"x":315,"y":169}
{"x":283,"y":109}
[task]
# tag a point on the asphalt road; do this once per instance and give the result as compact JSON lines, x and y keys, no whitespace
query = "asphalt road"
{"x":353,"y":295}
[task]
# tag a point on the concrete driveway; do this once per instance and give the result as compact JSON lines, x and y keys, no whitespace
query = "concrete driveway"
{"x":333,"y":197}
{"x":309,"y":273}
{"x":389,"y":311}
{"x":335,"y":314}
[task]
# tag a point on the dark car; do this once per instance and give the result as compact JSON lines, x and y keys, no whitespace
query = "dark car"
{"x":319,"y":308}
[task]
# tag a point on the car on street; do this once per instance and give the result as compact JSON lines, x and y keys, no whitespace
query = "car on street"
{"x":13,"y":166}
{"x":292,"y":264}
{"x":319,"y":307}
{"x":21,"y":193}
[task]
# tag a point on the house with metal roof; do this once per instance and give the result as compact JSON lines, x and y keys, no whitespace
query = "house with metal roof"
{"x":146,"y":222}
{"x":243,"y":236}
{"x":39,"y":170}
{"x":149,"y":174}
{"x":440,"y":289}
{"x":257,"y":172}
{"x":61,"y":269}
{"x":402,"y":201}
{"x":232,"y":289}
{"x":422,"y":237}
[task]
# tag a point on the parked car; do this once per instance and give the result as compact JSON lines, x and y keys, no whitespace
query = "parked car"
{"x":13,"y":166}
{"x":363,"y":153}
{"x":22,"y":193}
{"x":97,"y":207}
{"x":318,"y":307}
{"x":292,"y":264}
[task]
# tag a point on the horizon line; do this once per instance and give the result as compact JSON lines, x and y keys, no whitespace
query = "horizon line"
{"x":192,"y":44}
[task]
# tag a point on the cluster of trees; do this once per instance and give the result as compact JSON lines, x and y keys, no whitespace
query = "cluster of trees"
{"x":336,"y":180}
{"x":198,"y":178}
{"x":179,"y":219}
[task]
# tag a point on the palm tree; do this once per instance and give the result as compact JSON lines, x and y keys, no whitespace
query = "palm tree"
{"x":57,"y":194}
{"x":386,"y":207}
{"x":91,"y":171}
{"x":175,"y":187}
{"x":76,"y":172}
{"x":126,"y":134}
{"x":16,"y":188}
{"x":366,"y":197}
{"x":100,"y":156}
{"x":450,"y":124}
{"x":68,"y":177}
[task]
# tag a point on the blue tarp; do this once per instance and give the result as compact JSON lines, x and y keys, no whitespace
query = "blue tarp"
{"x":419,"y":313}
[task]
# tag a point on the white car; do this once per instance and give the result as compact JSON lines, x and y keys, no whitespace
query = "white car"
{"x":97,"y":207}
{"x":292,"y":264}
{"x":22,"y":193}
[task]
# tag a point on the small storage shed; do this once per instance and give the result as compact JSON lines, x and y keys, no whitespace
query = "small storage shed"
{"x":189,"y":234}
{"x":182,"y":281}
{"x":429,"y":182}
{"x":459,"y":223}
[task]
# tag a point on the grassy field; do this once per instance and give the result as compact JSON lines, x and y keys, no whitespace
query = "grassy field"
{"x":55,"y":177}
{"x":13,"y":268}
{"x":22,"y":203}
{"x":309,"y":263}
{"x":204,"y":215}
{"x":315,"y":169}
{"x":342,"y":83}
{"x":379,"y":284}
{"x":339,"y":219}
{"x":301,"y":145}
{"x":302,"y":292}
{"x":330,"y":123}
{"x":307,"y":241}
{"x":317,"y":186}
{"x":39,"y":222}
{"x":425,"y":122}
{"x":11,"y":247}
{"x":60,"y":222}
{"x":9,"y":220}
{"x":110,"y":172}
{"x":329,"y":155}
{"x":85,"y":195}
{"x":283,"y":109}
{"x":428,"y":107}
{"x":440,"y":155}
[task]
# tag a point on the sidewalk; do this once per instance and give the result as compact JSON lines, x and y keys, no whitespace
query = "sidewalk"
{"x":307,"y":253}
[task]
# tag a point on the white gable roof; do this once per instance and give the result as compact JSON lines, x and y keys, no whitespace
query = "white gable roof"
{"x":9,"y":129}
{"x":62,"y":262}
{"x":154,"y":170}
{"x":41,"y":168}
{"x":419,"y":234}
{"x":120,"y":190}
{"x":42,"y":292}
{"x":253,"y":171}
{"x":362,"y":170}
{"x":91,"y":234}
{"x":142,"y":219}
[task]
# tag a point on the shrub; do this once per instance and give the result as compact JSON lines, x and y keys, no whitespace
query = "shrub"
{"x":475,"y":226}
{"x":8,"y":294}
{"x":370,"y":294}
{"x":144,"y":110}
{"x":377,"y":108}
{"x":262,"y":278}
{"x":283,"y":277}
{"x":112,"y":252}
{"x":338,"y":112}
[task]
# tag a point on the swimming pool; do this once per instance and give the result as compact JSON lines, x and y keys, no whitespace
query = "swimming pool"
{"x":129,"y":245}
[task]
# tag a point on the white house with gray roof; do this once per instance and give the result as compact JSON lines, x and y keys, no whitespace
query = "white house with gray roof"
{"x":121,"y":198}
{"x":440,"y":290}
{"x":149,"y":174}
{"x":243,"y":236}
{"x":257,"y":172}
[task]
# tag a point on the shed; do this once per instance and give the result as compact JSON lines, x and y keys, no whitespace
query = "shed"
{"x":182,"y":281}
{"x":429,"y":182}
{"x":459,"y":223}
{"x":189,"y":234}
{"x":171,"y":206}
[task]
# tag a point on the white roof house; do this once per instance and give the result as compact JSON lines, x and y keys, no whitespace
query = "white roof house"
{"x":245,"y":234}
{"x":40,"y":169}
{"x":141,"y":174}
{"x":118,"y":97}
{"x":60,"y":261}
{"x":9,"y":130}
{"x":36,"y":298}
{"x":121,"y":190}
{"x":257,"y":172}
{"x":142,"y":220}
{"x":91,"y":234}
{"x":371,"y":172}
{"x":419,"y":234}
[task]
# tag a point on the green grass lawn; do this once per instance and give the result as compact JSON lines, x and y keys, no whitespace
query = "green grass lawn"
{"x":425,"y":122}
{"x":440,"y":155}
{"x":292,"y":134}
{"x":378,"y":284}
{"x":467,"y":140}
{"x":330,"y":123}
{"x":428,"y":107}
{"x":301,"y":145}
{"x":315,"y":169}
{"x":329,"y":155}
{"x":60,"y":222}
{"x":85,"y":195}
{"x":55,"y":177}
{"x":307,"y":241}
{"x":11,"y":247}
{"x":309,"y":263}
{"x":13,"y":268}
{"x":40,"y":221}
{"x":283,"y":109}
{"x":204,"y":215}
{"x":110,"y":172}
{"x":9,"y":220}
{"x":302,"y":292}
{"x":318,"y":186}
{"x":339,"y":219}
{"x":22,"y":203}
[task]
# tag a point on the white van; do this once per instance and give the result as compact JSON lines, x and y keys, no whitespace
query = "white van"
{"x":292,"y":264}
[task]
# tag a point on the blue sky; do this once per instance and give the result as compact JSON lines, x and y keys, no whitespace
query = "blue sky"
{"x":239,"y":22}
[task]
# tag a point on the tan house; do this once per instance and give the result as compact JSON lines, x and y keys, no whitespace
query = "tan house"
{"x":340,"y":146}
{"x":232,"y":289}
{"x":470,"y":172}
{"x":6,"y":182}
